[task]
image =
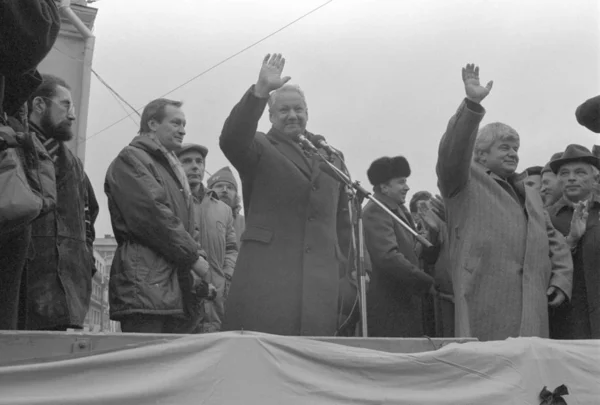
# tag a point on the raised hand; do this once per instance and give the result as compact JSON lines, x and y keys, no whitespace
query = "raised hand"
{"x":438,"y":207}
{"x":430,"y":219}
{"x":475,"y":92}
{"x":579,"y":221}
{"x":269,"y":78}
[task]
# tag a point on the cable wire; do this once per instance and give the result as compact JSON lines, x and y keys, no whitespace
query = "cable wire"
{"x":218,"y":64}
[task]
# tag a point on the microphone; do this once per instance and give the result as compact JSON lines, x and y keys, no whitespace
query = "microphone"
{"x":305,"y":143}
{"x":319,"y":141}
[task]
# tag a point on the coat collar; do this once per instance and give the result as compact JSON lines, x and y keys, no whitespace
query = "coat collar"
{"x":396,"y":208}
{"x":564,"y":203}
{"x":291,"y":150}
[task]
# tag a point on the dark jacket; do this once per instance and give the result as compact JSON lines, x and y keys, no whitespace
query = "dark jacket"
{"x":297,"y":232}
{"x":397,"y":282}
{"x":59,"y":273}
{"x":579,"y":317}
{"x":153,"y":223}
{"x":28,"y":30}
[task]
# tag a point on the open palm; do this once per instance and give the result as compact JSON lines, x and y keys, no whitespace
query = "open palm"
{"x":475,"y":91}
{"x":269,"y":77}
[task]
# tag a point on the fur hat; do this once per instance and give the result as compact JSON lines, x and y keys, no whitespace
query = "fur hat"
{"x":223,"y":174}
{"x":386,"y":168}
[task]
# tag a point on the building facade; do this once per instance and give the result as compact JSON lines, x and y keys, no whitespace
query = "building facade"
{"x":71,"y":60}
{"x":97,"y":318}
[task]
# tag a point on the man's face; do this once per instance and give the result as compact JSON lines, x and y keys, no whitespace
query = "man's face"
{"x":551,"y":190}
{"x":289,"y":113}
{"x":396,"y":189}
{"x":534,"y":181}
{"x":502,"y":158}
{"x":577,"y":180}
{"x":226,"y":192}
{"x":58,"y":115}
{"x":171,"y":130}
{"x":193,"y":164}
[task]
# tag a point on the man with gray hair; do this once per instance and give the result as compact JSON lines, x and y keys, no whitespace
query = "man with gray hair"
{"x":508,"y":263}
{"x":289,"y":268}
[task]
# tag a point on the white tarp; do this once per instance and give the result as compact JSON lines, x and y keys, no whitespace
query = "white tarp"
{"x":233,"y":368}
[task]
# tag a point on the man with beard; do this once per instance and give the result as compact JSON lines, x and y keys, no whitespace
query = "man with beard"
{"x":576,"y":215}
{"x":215,"y":233}
{"x":508,"y":262}
{"x":28,"y":30}
{"x":298,"y":232}
{"x":551,"y":190}
{"x":59,"y":276}
{"x":224,"y":184}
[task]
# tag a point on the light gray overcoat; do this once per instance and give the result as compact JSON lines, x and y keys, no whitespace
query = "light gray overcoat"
{"x":504,"y":251}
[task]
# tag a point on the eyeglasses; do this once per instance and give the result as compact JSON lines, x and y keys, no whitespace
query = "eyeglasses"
{"x":70,"y":108}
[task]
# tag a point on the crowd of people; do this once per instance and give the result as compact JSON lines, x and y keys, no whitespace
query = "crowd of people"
{"x":510,"y":253}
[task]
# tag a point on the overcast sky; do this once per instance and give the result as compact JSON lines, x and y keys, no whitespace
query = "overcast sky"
{"x":381,"y":77}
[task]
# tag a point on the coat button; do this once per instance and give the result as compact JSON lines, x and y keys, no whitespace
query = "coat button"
{"x":307,"y":250}
{"x":314,"y":188}
{"x":311,"y":218}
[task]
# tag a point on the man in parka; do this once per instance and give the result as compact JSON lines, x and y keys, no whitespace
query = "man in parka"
{"x":157,"y":263}
{"x":215,"y":233}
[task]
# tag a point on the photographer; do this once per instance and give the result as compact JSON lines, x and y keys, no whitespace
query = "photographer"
{"x":28,"y":30}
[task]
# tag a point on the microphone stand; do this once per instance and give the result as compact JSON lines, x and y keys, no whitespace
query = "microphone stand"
{"x":357,"y":193}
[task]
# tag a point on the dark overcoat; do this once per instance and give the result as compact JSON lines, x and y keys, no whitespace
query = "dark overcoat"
{"x":297,"y":232}
{"x":579,"y":318}
{"x":153,"y":224}
{"x":60,"y":269}
{"x":397,"y":283}
{"x":504,"y":252}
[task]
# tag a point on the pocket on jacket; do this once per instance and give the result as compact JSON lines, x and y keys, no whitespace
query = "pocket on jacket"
{"x":254,"y":233}
{"x":149,"y":267}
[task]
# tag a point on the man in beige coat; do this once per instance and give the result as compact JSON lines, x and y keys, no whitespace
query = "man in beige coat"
{"x":508,"y":262}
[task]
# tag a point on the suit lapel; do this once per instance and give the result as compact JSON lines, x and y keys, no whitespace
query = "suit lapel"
{"x":293,"y":152}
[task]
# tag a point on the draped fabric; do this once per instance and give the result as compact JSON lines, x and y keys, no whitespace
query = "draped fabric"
{"x":251,"y":368}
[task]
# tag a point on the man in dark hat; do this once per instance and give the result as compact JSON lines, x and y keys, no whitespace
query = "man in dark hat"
{"x":214,"y":232}
{"x":532,"y":177}
{"x":28,"y":29}
{"x":508,"y":261}
{"x":551,"y":190}
{"x":397,"y":283}
{"x":576,"y":215}
{"x":225,"y":185}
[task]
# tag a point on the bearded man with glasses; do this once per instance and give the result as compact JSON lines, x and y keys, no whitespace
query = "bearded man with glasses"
{"x":59,"y":274}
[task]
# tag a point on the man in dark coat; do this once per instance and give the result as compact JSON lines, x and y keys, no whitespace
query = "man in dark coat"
{"x":297,"y":227}
{"x":28,"y":30}
{"x":397,"y":282}
{"x":59,"y":275}
{"x":576,"y":215}
{"x":157,"y":263}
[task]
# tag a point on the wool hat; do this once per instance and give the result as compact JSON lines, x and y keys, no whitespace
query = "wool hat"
{"x":386,"y":168}
{"x":575,"y":153}
{"x":192,"y":146}
{"x":224,"y":174}
{"x":555,"y":156}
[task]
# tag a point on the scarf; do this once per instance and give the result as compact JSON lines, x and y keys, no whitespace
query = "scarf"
{"x":52,"y":145}
{"x":175,"y":166}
